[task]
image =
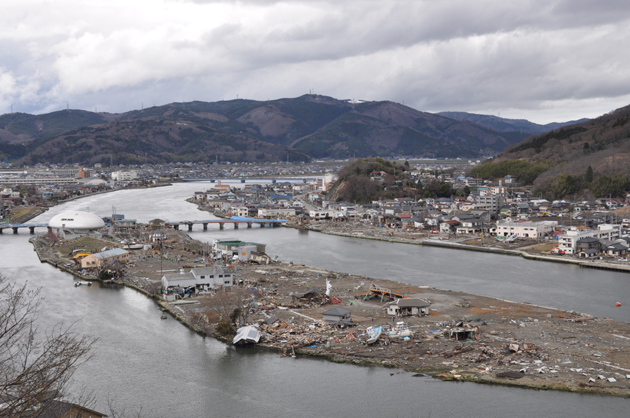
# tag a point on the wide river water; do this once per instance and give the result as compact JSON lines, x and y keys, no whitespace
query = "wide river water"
{"x":160,"y":366}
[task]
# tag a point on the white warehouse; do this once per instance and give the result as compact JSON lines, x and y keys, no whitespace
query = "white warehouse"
{"x":200,"y":279}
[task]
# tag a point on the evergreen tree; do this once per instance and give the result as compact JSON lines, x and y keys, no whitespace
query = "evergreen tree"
{"x":588,"y":177}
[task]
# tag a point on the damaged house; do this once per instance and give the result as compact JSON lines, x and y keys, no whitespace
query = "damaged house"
{"x":339,"y":316}
{"x":408,"y":307}
{"x":195,"y":281}
{"x":316,"y":296}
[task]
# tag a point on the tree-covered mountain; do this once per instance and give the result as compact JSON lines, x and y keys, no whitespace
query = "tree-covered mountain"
{"x":557,"y":162}
{"x":508,"y":125}
{"x":155,"y":141}
{"x":309,"y":126}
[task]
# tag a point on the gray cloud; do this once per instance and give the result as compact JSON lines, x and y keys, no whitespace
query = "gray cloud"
{"x":544,"y":59}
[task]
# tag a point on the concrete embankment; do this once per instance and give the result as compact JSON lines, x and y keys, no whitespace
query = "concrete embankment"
{"x":596,"y":264}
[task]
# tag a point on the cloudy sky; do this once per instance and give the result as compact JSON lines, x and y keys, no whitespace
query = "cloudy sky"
{"x":547,"y":60}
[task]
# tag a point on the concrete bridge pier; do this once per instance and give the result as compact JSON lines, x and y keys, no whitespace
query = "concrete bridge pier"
{"x":235,"y":225}
{"x":176,"y":226}
{"x":1,"y":230}
{"x":220,"y":225}
{"x":249,"y":224}
{"x":32,"y":229}
{"x":205,"y":226}
{"x":15,"y":230}
{"x":190,"y":227}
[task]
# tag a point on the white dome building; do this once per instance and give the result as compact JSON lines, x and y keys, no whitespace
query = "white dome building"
{"x":76,"y":221}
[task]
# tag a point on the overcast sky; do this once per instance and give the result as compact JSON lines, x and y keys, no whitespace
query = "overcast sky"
{"x":539,"y":60}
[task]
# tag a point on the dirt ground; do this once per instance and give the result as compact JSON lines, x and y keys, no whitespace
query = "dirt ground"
{"x":550,"y":348}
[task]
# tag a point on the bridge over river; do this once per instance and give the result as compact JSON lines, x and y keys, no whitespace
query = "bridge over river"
{"x":236,"y":221}
{"x":31,"y":226}
{"x":251,"y":179}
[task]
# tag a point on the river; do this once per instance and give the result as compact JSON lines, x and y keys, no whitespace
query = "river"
{"x":169,"y":371}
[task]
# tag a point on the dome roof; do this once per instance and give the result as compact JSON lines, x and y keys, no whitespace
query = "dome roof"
{"x":76,"y":220}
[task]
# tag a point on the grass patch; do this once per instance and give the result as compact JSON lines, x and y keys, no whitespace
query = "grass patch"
{"x":90,"y":244}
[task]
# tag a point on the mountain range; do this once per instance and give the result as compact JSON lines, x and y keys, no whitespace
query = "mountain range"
{"x":297,"y":129}
{"x":508,"y":125}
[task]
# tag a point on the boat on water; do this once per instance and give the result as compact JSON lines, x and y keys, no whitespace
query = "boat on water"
{"x":249,"y":334}
{"x":79,"y":283}
{"x":374,"y":333}
{"x":400,"y":331}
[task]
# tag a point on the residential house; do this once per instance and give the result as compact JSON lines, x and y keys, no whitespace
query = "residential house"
{"x":233,"y":247}
{"x":525,"y":229}
{"x":408,"y":307}
{"x":615,"y":249}
{"x":587,"y":243}
{"x":449,"y":227}
{"x":260,"y":258}
{"x":196,"y":280}
{"x":470,"y":226}
{"x":275,"y":213}
{"x":568,"y":241}
{"x":337,"y":316}
{"x":473,"y":182}
{"x":587,"y":253}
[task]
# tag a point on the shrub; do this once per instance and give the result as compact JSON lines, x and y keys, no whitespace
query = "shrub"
{"x":225,"y":329}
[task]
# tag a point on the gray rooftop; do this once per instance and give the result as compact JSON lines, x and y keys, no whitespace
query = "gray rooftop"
{"x":412,"y":303}
{"x":206,"y":270}
{"x":110,"y":253}
{"x":337,"y":312}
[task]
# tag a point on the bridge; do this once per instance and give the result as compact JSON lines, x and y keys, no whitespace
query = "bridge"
{"x":31,"y":226}
{"x":236,"y":221}
{"x":251,"y":179}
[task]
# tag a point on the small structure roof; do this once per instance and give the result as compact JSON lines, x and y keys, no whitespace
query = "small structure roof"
{"x":178,"y":276}
{"x":337,"y":312}
{"x":235,"y":242}
{"x":412,"y":303}
{"x":206,"y":270}
{"x":589,"y":251}
{"x":110,"y":253}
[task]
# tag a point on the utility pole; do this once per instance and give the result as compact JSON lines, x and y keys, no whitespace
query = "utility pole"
{"x":161,"y":248}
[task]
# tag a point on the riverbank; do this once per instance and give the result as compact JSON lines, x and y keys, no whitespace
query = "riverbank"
{"x":506,"y":343}
{"x":70,"y":199}
{"x":539,"y":251}
{"x":24,"y":214}
{"x":531,"y":251}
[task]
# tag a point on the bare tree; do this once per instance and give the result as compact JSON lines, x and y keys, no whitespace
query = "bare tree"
{"x":230,"y":306}
{"x":35,"y":368}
